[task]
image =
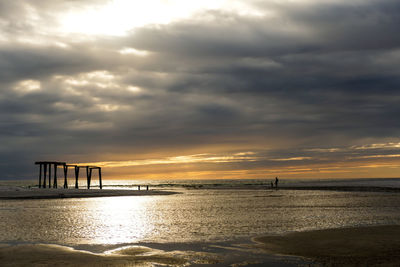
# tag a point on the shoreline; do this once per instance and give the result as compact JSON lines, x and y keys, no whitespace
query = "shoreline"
{"x":344,"y":188}
{"x":19,"y":192}
{"x":377,"y":189}
{"x":355,"y":246}
{"x":15,"y":193}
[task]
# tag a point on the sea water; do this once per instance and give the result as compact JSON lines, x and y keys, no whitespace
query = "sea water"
{"x":194,"y":215}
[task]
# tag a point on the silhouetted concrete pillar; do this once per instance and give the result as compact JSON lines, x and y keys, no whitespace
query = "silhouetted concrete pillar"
{"x":40,"y":175}
{"x":44,"y":175}
{"x":65,"y":176}
{"x":88,"y":176}
{"x":76,"y":176}
{"x":49,"y":175}
{"x":55,"y":176}
{"x":45,"y":166}
{"x":101,"y":185}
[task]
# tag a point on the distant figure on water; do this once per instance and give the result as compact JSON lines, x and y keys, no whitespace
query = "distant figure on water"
{"x":272,"y":185}
{"x":276,"y":183}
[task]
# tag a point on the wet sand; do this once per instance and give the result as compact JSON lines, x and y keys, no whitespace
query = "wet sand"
{"x":361,"y":246}
{"x":55,"y":255}
{"x":48,"y":193}
{"x":151,"y":254}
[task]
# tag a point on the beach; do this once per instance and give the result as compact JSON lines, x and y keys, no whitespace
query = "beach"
{"x":14,"y":192}
{"x":210,"y":223}
{"x":357,"y":246}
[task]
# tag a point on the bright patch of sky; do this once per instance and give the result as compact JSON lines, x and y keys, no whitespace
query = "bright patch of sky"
{"x":118,"y":17}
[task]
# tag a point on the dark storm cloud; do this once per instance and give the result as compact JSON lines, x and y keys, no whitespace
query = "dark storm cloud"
{"x":295,"y":28}
{"x":29,"y":62}
{"x":313,"y":75}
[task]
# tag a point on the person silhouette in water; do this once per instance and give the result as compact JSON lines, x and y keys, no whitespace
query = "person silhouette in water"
{"x":276,"y":182}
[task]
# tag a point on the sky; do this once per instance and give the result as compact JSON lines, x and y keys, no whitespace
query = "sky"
{"x":201,"y":89}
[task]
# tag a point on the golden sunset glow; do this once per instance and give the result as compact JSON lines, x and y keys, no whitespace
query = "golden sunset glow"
{"x":199,"y":158}
{"x":213,"y":166}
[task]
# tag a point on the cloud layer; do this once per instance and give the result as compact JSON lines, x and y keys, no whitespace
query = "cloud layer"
{"x":300,"y":84}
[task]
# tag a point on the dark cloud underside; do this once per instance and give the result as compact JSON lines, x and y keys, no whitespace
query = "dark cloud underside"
{"x":316,"y":75}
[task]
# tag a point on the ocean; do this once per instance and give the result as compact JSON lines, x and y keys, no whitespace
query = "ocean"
{"x":204,"y":212}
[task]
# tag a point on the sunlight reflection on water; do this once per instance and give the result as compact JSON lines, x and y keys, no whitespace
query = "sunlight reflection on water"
{"x":195,"y":215}
{"x":120,"y":219}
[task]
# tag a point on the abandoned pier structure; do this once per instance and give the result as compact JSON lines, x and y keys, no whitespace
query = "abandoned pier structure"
{"x":46,"y":167}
